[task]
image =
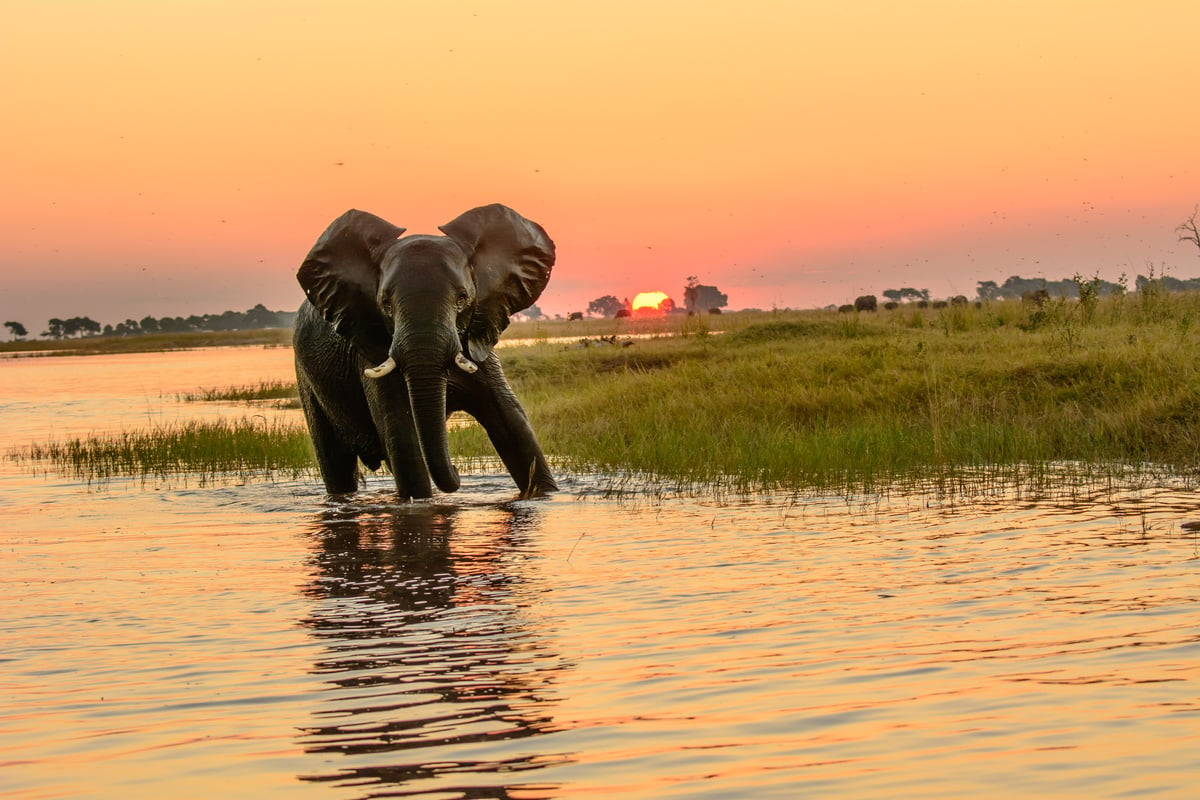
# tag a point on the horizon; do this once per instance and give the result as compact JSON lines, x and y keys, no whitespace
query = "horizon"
{"x":168,"y":161}
{"x":1055,"y":287}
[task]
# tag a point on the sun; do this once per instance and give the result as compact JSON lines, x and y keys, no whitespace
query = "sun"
{"x":650,"y":303}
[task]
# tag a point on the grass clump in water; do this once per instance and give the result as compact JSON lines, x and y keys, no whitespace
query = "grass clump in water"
{"x":243,"y":449}
{"x":281,"y":394}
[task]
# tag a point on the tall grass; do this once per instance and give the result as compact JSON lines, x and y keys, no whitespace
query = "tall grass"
{"x":816,"y":399}
{"x":209,"y":451}
{"x":283,"y":393}
{"x":808,"y":400}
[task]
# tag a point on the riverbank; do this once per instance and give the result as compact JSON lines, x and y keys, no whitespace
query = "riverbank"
{"x":817,"y":399}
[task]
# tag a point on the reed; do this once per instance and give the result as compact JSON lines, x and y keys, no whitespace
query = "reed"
{"x":282,"y":394}
{"x":816,"y":399}
{"x":250,"y":447}
{"x":803,"y":400}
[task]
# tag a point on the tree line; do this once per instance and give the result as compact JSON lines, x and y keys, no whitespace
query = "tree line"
{"x":258,"y":317}
{"x":1016,"y":287}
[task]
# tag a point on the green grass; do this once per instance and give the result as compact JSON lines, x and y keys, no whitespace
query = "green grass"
{"x":210,"y":451}
{"x":817,"y":400}
{"x":283,"y":393}
{"x":821,"y":400}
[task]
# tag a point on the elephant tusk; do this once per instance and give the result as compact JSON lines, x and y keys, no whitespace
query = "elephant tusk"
{"x":383,"y":369}
{"x":465,"y":364}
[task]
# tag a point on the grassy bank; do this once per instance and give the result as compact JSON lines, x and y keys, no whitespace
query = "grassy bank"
{"x":820,"y":400}
{"x":147,"y":343}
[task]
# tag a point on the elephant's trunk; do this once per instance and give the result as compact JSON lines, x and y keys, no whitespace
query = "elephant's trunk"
{"x":427,"y":391}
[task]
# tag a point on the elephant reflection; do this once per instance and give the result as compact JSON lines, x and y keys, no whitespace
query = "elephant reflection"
{"x":426,"y":648}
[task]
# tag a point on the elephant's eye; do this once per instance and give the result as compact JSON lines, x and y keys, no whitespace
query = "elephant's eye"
{"x":462,"y":300}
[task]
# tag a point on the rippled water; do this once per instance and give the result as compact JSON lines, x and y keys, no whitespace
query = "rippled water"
{"x":262,"y":640}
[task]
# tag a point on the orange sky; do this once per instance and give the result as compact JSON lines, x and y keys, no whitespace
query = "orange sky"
{"x":178,"y":158}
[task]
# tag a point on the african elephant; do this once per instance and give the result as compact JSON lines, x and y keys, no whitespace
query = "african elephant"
{"x":397,"y":332}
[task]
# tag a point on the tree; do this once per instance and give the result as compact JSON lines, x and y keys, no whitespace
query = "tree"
{"x":606,"y":306}
{"x":54,"y":328}
{"x":260,"y":317}
{"x":987,"y":290}
{"x":16,"y":329}
{"x":79,"y":326}
{"x":698,"y":297}
{"x":1187,"y":230}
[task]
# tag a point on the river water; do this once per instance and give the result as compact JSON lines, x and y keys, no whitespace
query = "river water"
{"x":256,"y":639}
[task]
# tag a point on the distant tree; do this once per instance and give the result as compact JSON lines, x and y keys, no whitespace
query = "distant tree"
{"x":173,"y":325}
{"x":534,"y":313}
{"x":1166,"y":283}
{"x":149,"y":325}
{"x":606,"y":306}
{"x":987,"y":290}
{"x":893,"y":294}
{"x":260,"y":317}
{"x":1187,"y":230}
{"x":54,"y":328}
{"x":79,"y":326}
{"x":698,"y":297}
{"x":16,"y":329}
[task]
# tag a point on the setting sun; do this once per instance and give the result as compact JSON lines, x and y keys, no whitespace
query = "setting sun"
{"x":650,"y":300}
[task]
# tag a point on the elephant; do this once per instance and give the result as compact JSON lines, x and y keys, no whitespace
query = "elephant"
{"x":866,"y":302}
{"x":397,"y":332}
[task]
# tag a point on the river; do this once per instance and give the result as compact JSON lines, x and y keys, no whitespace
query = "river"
{"x":257,"y":639}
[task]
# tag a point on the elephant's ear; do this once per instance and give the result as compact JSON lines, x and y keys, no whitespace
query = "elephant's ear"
{"x":340,"y":276}
{"x":512,"y":258}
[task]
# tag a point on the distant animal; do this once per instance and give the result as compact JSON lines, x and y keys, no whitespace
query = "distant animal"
{"x":958,"y":300}
{"x":891,"y":305}
{"x":622,"y":313}
{"x":575,"y":315}
{"x":1036,"y":297}
{"x":398,"y":331}
{"x":865,"y":303}
{"x":846,"y":309}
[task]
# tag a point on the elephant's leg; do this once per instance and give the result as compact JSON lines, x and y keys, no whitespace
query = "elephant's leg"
{"x":338,"y":463}
{"x":499,"y":412}
{"x":392,"y":415}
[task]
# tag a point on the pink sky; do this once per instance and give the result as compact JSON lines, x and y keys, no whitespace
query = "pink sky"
{"x":170,"y":159}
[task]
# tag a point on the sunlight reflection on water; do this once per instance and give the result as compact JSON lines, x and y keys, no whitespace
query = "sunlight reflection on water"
{"x":263,"y":640}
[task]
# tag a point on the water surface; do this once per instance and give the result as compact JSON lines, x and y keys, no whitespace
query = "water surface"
{"x":263,"y":640}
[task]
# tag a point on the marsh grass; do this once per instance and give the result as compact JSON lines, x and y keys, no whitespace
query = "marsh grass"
{"x":1107,"y":390}
{"x":280,"y":394}
{"x":816,"y":399}
{"x":209,"y":451}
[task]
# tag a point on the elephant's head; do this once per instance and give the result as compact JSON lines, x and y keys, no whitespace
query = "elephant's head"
{"x":427,"y":304}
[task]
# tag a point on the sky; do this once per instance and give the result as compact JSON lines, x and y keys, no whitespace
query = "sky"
{"x":176,"y":158}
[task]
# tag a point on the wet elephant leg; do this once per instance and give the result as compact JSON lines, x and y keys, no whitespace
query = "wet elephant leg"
{"x":392,"y":415}
{"x":497,"y":409}
{"x":338,"y":463}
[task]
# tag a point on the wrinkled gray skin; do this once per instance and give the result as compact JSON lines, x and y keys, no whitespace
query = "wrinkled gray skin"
{"x":435,"y":306}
